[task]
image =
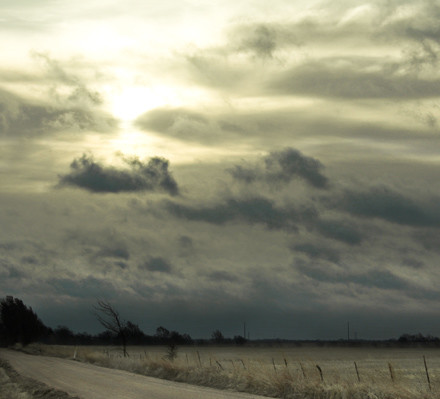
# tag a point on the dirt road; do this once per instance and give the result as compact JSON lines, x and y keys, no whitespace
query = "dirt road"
{"x":92,"y":382}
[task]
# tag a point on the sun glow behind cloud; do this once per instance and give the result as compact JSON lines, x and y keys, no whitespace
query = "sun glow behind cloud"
{"x":132,"y":101}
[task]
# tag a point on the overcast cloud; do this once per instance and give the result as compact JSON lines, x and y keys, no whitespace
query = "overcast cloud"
{"x":202,"y":165}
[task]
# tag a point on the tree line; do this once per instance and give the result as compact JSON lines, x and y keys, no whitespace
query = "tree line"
{"x":20,"y":324}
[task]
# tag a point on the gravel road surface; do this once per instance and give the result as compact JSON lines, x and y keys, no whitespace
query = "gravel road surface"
{"x":92,"y":382}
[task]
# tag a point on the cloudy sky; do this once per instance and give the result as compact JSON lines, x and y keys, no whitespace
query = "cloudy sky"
{"x":201,"y":164}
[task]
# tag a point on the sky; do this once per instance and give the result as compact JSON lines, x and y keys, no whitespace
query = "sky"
{"x":204,"y":164}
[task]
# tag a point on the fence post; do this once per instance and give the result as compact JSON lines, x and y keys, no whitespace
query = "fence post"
{"x":427,"y":373}
{"x":390,"y":366}
{"x":357,"y":372}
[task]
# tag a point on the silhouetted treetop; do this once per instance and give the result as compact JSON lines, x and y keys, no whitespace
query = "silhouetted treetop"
{"x":19,"y":323}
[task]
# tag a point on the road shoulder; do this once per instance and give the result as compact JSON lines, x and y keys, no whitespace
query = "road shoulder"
{"x":15,"y":386}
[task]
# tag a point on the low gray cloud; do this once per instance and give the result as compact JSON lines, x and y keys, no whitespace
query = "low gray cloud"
{"x":341,"y":231}
{"x":257,"y":210}
{"x":282,"y":167}
{"x":221,"y":275}
{"x":264,"y":39}
{"x":351,"y":79}
{"x":186,"y":246}
{"x":426,"y":53}
{"x":260,"y":40}
{"x":65,"y":103}
{"x":151,"y":175}
{"x":78,"y":92}
{"x":20,"y":117}
{"x":276,"y":128}
{"x":157,"y":264}
{"x":10,"y":271}
{"x":349,"y":23}
{"x":122,"y":265}
{"x":429,"y":239}
{"x":114,"y":252}
{"x":420,"y":24}
{"x":183,"y":124}
{"x":83,"y":288}
{"x":314,"y":251}
{"x":413,"y":263}
{"x":379,"y":278}
{"x":286,"y":70}
{"x":384,"y":203}
{"x":382,"y":279}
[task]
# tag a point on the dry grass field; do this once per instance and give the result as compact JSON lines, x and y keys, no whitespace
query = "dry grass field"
{"x":289,"y":371}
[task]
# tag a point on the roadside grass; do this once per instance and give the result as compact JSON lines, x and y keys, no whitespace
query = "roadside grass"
{"x":285,"y":379}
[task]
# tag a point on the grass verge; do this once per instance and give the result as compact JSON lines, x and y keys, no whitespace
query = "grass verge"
{"x":279,"y":383}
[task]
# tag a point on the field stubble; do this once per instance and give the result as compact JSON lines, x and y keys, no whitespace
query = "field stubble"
{"x":283,"y":372}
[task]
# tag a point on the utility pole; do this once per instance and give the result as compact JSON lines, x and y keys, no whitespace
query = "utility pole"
{"x":348,"y":331}
{"x":244,"y":330}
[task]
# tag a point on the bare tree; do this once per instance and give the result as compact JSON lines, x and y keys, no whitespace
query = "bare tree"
{"x":109,"y":318}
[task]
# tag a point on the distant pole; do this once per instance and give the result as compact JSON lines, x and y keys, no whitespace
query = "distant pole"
{"x":348,"y":331}
{"x":244,"y":330}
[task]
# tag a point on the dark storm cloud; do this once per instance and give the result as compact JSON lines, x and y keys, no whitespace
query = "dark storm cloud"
{"x":114,"y":252}
{"x":186,"y":242}
{"x":157,"y":264}
{"x":382,"y":279}
{"x":339,"y":230}
{"x":84,"y":288}
{"x":140,"y":176}
{"x":222,"y":276}
{"x":32,"y":260}
{"x":10,"y":271}
{"x":257,"y":210}
{"x":385,"y":203}
{"x":351,"y":79}
{"x":317,"y":251}
{"x":413,"y":263}
{"x":283,"y":166}
{"x":21,"y":117}
{"x":429,"y":239}
{"x":122,"y":265}
{"x":186,"y":246}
